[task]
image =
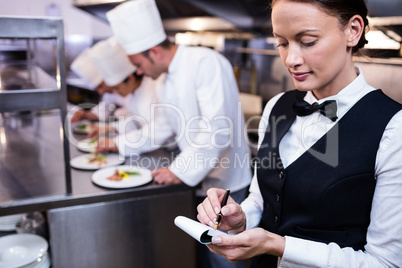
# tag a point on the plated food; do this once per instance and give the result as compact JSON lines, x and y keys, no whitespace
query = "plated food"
{"x":122,"y":176}
{"x":88,"y":145}
{"x":83,"y":127}
{"x":119,"y":175}
{"x":97,"y":159}
{"x":94,"y":161}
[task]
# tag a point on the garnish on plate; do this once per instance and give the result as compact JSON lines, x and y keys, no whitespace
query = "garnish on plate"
{"x":120,"y":175}
{"x":82,"y":127}
{"x":99,"y":159}
{"x":93,"y":140}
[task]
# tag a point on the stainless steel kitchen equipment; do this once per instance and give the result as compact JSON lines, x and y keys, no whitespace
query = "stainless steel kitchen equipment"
{"x":34,"y":95}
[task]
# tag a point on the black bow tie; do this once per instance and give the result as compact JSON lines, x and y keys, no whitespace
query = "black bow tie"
{"x":327,"y":108}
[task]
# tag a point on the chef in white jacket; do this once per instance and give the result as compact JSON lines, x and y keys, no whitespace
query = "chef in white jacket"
{"x":199,"y":101}
{"x":85,"y":69}
{"x":137,"y":92}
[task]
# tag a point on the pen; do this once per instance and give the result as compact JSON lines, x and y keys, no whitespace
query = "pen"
{"x":219,"y":216}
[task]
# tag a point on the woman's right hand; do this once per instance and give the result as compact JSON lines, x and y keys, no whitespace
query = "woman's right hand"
{"x":234,"y":218}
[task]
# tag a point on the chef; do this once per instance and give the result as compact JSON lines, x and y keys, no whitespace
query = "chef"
{"x":200,"y":103}
{"x":137,"y":91}
{"x":84,"y":67}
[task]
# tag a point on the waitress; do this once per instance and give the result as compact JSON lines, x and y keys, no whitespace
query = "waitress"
{"x":333,"y":197}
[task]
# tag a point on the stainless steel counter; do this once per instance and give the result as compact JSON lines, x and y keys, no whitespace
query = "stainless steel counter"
{"x":93,"y":226}
{"x":32,"y":170}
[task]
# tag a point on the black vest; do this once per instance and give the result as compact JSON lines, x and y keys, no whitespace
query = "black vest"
{"x":326,"y":194}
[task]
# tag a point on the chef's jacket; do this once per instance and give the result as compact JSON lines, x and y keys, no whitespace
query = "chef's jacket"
{"x":199,"y":105}
{"x":110,"y":102}
{"x":136,"y":107}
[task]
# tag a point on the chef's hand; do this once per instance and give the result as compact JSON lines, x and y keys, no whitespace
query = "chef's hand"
{"x":234,"y":218}
{"x":82,"y":115}
{"x":248,"y":244}
{"x":101,"y":130}
{"x":165,"y":176}
{"x":106,"y":146}
{"x":94,"y":132}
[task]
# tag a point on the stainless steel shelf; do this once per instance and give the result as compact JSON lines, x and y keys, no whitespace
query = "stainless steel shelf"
{"x":37,"y":99}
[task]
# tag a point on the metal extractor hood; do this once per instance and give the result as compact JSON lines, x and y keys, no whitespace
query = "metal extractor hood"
{"x":239,"y":15}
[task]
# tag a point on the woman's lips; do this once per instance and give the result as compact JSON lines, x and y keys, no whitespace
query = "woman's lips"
{"x":300,"y":76}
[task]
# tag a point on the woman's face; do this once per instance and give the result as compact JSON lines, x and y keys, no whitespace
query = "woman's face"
{"x":313,"y":47}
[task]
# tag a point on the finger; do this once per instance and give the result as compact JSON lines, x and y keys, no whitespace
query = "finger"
{"x":93,"y":133}
{"x":231,"y":209}
{"x":215,"y":196}
{"x":158,"y":178}
{"x":209,"y":209}
{"x":227,"y":240}
{"x":203,"y":216}
{"x":102,"y":146}
{"x":155,"y":172}
{"x":212,"y":248}
{"x":240,"y":240}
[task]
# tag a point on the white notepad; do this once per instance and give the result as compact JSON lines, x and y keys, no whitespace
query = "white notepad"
{"x":200,"y":232}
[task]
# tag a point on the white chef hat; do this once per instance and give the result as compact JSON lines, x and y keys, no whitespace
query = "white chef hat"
{"x":83,"y":66}
{"x":111,"y":61}
{"x":137,"y":25}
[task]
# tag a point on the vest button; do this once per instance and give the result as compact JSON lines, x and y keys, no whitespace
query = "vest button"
{"x":276,"y":219}
{"x":281,"y":175}
{"x":278,"y":198}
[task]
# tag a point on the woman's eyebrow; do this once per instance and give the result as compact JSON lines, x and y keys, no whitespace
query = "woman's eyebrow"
{"x":306,"y":31}
{"x":298,"y":34}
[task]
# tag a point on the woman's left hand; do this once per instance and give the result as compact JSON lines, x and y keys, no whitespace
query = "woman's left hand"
{"x":248,"y":244}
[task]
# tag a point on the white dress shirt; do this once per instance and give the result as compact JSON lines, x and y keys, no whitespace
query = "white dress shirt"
{"x":384,"y":234}
{"x":199,"y":105}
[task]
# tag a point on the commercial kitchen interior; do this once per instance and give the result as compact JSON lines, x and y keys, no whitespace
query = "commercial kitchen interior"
{"x":240,"y":30}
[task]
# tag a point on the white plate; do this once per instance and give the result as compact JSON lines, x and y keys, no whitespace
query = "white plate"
{"x":83,"y":127}
{"x":100,"y":177}
{"x":82,"y":161}
{"x":21,"y":249}
{"x":7,"y":223}
{"x":42,"y":262}
{"x":87,"y":146}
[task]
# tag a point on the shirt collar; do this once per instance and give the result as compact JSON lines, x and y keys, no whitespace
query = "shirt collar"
{"x":348,"y":96}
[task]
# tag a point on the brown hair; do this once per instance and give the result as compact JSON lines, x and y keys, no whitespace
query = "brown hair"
{"x":166,"y":44}
{"x":344,"y":10}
